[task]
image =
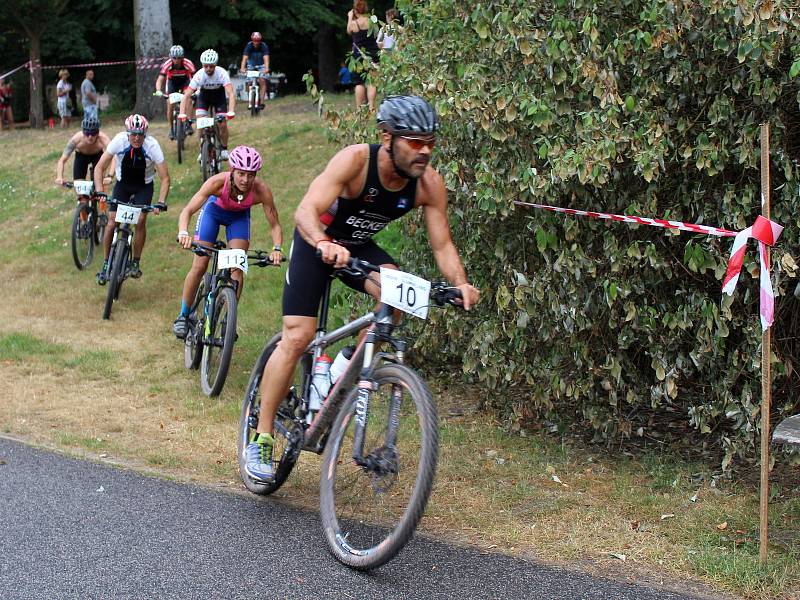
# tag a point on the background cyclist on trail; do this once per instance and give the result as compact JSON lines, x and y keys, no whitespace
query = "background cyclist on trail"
{"x":88,"y":145}
{"x":177,"y":71}
{"x":256,"y":58}
{"x":215,"y":90}
{"x":361,"y":190}
{"x":225,"y":199}
{"x":138,"y":157}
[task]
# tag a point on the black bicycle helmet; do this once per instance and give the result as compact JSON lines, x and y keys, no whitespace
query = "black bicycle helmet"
{"x":407,"y":114}
{"x":90,"y":123}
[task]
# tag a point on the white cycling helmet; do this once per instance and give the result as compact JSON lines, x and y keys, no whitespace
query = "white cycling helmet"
{"x":176,"y":52}
{"x":209,"y":57}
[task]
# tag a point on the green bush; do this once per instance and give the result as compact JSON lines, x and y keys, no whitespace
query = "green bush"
{"x":640,"y":107}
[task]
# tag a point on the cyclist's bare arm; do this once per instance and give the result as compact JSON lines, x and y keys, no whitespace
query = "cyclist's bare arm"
{"x":101,"y":167}
{"x":163,"y":177}
{"x":231,"y":97}
{"x":264,"y":195}
{"x":160,"y":83}
{"x":339,"y":175}
{"x":187,"y":99}
{"x":104,"y":142}
{"x":211,"y":186}
{"x":68,"y":150}
{"x":266,"y":62}
{"x":244,"y":62}
{"x":432,"y":195}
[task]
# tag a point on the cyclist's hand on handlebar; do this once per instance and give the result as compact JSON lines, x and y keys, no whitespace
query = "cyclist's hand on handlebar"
{"x":229,"y":115}
{"x":470,"y":295}
{"x":334,"y":254}
{"x":60,"y":180}
{"x":182,"y":117}
{"x":184,"y":239}
{"x":157,"y":208}
{"x":275,"y":257}
{"x":158,"y":93}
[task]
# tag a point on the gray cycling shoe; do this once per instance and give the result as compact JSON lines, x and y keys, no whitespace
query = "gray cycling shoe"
{"x":134,"y":270}
{"x":181,"y":327}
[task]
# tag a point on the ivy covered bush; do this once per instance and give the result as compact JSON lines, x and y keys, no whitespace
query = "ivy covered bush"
{"x":648,"y":108}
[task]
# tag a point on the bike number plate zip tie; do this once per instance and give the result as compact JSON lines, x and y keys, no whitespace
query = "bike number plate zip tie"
{"x":232,"y":259}
{"x":405,"y":291}
{"x":128,"y":214}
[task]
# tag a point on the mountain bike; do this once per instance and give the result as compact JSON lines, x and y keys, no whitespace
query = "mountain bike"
{"x":212,"y":332}
{"x":121,"y":254}
{"x":254,"y":99}
{"x":376,"y":427}
{"x":209,"y":144}
{"x":89,"y":220}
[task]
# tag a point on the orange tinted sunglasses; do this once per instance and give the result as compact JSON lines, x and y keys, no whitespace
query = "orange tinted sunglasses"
{"x":418,"y":144}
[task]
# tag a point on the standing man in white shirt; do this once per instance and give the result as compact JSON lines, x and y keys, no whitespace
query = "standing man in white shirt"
{"x":89,"y":95}
{"x":139,"y":157}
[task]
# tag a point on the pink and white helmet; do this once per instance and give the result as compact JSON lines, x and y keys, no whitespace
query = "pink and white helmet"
{"x":136,"y":124}
{"x":244,"y":158}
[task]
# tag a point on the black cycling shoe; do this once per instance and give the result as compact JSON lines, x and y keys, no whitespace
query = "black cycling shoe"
{"x":102,"y":278}
{"x":134,"y":271}
{"x":171,"y":136}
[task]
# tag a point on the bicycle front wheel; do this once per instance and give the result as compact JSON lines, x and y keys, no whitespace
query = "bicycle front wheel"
{"x":370,"y":512}
{"x":220,"y":335}
{"x":253,"y":101}
{"x":288,"y":430}
{"x":82,"y":236}
{"x":180,"y":137}
{"x":119,"y":262}
{"x":205,"y":162}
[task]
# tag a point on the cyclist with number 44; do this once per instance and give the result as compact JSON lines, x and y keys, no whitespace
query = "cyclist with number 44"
{"x":215,"y":90}
{"x":361,"y":190}
{"x":139,"y":157}
{"x":225,"y":199}
{"x":177,"y":71}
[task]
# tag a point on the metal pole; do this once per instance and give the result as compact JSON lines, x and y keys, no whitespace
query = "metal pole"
{"x":766,"y":375}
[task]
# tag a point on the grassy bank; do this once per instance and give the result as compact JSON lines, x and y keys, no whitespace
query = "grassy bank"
{"x":117,"y":390}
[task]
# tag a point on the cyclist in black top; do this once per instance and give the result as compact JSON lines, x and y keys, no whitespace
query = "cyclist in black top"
{"x":360,"y":191}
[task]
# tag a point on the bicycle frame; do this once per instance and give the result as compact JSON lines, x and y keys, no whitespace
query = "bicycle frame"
{"x":380,"y":325}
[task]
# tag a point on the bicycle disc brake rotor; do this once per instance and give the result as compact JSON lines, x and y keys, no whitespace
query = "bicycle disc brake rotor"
{"x":383,"y":464}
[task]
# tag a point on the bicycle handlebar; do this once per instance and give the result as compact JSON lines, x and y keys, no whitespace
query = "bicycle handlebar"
{"x":258,"y":258}
{"x":441,"y":292}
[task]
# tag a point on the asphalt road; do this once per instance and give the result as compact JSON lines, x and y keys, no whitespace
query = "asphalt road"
{"x":75,"y":529}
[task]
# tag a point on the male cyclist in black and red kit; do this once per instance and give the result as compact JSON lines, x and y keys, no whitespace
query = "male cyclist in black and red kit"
{"x":362,"y":189}
{"x":177,"y":71}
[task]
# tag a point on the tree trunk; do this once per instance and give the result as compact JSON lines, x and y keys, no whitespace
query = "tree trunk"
{"x":152,"y":29}
{"x":326,"y":50}
{"x":36,"y":110}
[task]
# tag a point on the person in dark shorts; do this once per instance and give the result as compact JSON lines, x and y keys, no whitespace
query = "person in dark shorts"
{"x":88,"y":145}
{"x":138,"y":158}
{"x":362,"y":189}
{"x":365,"y":47}
{"x":177,"y":71}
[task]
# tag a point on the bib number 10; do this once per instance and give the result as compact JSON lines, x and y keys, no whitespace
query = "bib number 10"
{"x":406,"y":292}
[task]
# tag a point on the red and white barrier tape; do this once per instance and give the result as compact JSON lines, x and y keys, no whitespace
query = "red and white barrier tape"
{"x":766,"y":232}
{"x":14,"y":70}
{"x":142,"y":63}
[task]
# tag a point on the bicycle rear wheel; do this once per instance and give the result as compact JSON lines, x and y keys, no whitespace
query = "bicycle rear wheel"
{"x":193,"y":342}
{"x":219,"y":338}
{"x":288,"y":431}
{"x":119,"y":262}
{"x":369,"y":513}
{"x":83,"y":224}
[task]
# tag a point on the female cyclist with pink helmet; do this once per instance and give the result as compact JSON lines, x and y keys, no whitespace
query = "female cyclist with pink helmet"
{"x":225,"y":199}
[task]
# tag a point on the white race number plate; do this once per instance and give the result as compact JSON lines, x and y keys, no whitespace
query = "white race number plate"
{"x":232,"y":259}
{"x":83,"y":188}
{"x":253,"y":74}
{"x":203,"y":122}
{"x":128,"y":214}
{"x":405,"y":291}
{"x":175,"y":97}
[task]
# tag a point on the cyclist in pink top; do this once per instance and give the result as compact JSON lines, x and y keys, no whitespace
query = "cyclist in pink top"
{"x":225,"y":199}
